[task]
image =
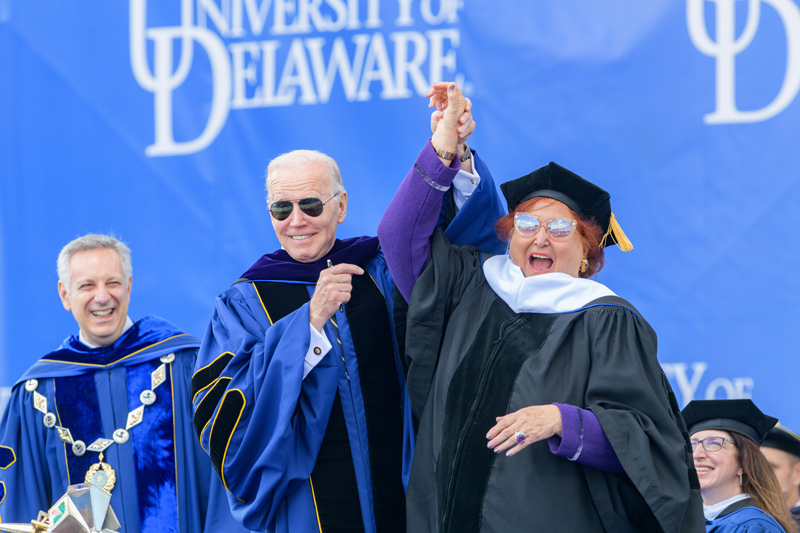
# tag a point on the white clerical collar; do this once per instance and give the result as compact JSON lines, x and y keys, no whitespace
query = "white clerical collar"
{"x":128,"y":324}
{"x":713,"y":511}
{"x":545,"y":293}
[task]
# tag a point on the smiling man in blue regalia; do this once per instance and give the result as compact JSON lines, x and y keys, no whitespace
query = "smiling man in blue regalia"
{"x":110,"y":406}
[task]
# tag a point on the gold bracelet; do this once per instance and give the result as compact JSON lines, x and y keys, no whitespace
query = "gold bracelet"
{"x":444,"y":154}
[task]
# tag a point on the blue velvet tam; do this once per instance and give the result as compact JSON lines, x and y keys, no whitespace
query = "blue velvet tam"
{"x":738,"y":416}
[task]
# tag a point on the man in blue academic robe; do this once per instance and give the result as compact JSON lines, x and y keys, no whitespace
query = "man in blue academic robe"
{"x":110,"y":406}
{"x":299,"y":393}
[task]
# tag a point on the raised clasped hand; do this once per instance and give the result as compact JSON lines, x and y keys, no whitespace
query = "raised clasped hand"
{"x":333,"y":289}
{"x":451,"y":122}
{"x":516,"y":431}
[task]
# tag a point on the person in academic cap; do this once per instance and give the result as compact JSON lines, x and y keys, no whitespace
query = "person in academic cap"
{"x":539,"y":400}
{"x":740,"y":491}
{"x":781,"y":447}
{"x":299,"y":392}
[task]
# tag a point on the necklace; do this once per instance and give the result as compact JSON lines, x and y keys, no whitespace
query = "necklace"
{"x":101,"y":473}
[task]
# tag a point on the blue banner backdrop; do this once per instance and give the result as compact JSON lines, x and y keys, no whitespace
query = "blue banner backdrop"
{"x":156,"y":120}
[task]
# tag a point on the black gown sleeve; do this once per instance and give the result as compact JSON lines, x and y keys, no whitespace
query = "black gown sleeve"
{"x":637,"y":409}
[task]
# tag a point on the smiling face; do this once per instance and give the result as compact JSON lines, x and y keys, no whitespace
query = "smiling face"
{"x":304,"y":237}
{"x":98,"y":295}
{"x":718,"y":471}
{"x":539,"y":253}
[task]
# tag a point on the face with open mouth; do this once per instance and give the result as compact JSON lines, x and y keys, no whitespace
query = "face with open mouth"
{"x":304,"y":237}
{"x":717,"y":471}
{"x":98,"y":295}
{"x":541,"y":254}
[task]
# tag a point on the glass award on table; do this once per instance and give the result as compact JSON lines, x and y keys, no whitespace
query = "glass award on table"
{"x":85,"y":508}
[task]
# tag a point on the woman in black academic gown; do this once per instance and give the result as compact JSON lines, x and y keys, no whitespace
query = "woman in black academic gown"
{"x":740,"y":491}
{"x":540,"y":401}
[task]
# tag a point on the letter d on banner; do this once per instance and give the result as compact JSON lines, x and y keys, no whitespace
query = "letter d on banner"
{"x":163,"y":79}
{"x":727,"y":47}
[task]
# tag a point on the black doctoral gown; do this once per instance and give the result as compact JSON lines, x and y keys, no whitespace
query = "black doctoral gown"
{"x":471,"y":358}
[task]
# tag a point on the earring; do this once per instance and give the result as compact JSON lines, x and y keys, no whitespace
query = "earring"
{"x":584,"y":264}
{"x":740,"y":480}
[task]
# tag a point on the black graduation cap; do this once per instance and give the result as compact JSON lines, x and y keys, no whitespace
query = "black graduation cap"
{"x":783,"y":439}
{"x":740,"y":416}
{"x":582,"y":196}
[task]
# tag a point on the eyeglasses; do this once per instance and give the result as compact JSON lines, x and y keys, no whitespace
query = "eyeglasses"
{"x":558,"y":229}
{"x":711,"y":444}
{"x":310,"y":206}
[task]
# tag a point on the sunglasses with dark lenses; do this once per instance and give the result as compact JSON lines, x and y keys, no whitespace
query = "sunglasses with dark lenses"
{"x":558,"y":229}
{"x":711,"y":444}
{"x":310,"y":206}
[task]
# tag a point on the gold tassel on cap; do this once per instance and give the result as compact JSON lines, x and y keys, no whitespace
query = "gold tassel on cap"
{"x":619,"y":235}
{"x":787,"y":430}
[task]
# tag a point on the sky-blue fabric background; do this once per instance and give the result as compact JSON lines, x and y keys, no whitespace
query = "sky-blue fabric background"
{"x":156,"y":120}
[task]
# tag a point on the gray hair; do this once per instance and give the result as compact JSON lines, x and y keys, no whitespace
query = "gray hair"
{"x":300,"y":158}
{"x":92,"y":241}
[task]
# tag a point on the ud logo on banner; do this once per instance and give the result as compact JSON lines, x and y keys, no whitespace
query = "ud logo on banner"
{"x":299,"y":66}
{"x":727,"y":46}
{"x":164,"y":78}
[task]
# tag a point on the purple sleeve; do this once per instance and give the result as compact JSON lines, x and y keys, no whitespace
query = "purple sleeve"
{"x":406,"y":227}
{"x":583,"y":440}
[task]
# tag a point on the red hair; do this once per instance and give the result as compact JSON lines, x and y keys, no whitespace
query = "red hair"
{"x":589,"y":231}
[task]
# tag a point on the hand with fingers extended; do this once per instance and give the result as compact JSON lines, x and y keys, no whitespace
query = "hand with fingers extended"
{"x":333,"y":289}
{"x":452,"y":122}
{"x":515,"y":431}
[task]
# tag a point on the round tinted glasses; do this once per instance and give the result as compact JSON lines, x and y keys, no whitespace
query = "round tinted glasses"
{"x":310,"y":206}
{"x":557,"y":228}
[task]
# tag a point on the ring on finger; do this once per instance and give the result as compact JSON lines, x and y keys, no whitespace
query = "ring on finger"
{"x":519,"y":437}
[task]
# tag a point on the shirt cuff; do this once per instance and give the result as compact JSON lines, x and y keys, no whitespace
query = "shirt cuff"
{"x":465,"y":184}
{"x":318,"y":347}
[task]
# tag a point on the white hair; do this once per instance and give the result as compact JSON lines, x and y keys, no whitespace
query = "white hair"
{"x":300,"y":158}
{"x":92,"y":241}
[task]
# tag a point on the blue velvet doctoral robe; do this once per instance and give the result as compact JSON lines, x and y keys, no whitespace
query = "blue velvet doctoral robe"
{"x":263,"y":424}
{"x":164,"y":481}
{"x":744,"y":520}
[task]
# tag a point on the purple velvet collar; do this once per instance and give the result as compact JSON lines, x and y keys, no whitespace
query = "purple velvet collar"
{"x":279,"y":265}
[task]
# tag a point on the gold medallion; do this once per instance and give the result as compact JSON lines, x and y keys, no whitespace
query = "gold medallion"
{"x":102,"y":475}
